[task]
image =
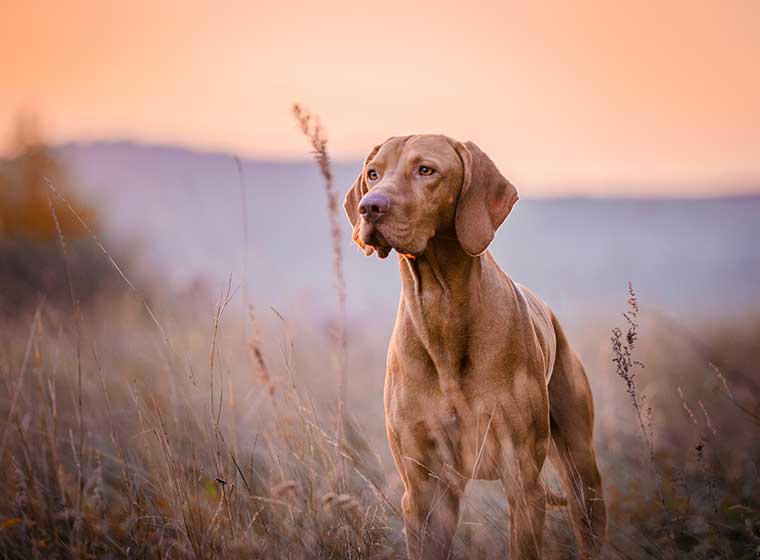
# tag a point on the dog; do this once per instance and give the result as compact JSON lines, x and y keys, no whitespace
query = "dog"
{"x":481,"y":382}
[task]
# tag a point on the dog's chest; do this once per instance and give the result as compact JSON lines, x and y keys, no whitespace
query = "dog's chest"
{"x":457,"y":438}
{"x":459,"y":399}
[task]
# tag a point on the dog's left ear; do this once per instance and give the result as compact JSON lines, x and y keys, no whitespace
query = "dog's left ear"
{"x":351,"y":202}
{"x":485,"y":200}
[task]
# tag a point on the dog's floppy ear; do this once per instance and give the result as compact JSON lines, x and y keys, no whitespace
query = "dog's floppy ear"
{"x":485,"y":200}
{"x":351,"y":202}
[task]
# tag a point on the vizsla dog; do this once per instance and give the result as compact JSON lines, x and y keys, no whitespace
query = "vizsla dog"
{"x":481,"y":381}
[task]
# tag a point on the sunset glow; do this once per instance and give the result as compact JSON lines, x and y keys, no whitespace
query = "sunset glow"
{"x":579,"y":97}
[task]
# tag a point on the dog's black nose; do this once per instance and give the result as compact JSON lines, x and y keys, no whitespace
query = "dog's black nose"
{"x":373,"y":205}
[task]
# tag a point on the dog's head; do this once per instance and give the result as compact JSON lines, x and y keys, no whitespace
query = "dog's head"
{"x":413,"y":188}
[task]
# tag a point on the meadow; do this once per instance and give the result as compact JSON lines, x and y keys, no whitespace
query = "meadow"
{"x":140,"y":422}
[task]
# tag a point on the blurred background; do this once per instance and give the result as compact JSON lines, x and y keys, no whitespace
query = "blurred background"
{"x":143,"y":106}
{"x":165,"y":247}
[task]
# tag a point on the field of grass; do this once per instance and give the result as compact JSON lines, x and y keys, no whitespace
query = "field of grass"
{"x":128,"y":437}
{"x":140,"y":423}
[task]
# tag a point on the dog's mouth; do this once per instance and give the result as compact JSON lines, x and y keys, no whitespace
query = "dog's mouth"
{"x":371,"y":238}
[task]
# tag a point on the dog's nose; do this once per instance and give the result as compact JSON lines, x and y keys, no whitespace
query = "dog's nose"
{"x":373,"y":205}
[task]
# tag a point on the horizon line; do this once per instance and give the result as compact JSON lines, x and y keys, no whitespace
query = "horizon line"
{"x":576,"y":189}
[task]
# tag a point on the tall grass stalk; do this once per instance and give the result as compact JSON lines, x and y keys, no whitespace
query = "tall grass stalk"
{"x":623,"y":345}
{"x":312,"y":129}
{"x":244,"y":224}
{"x":111,"y":260}
{"x":78,"y":451}
{"x":251,"y":340}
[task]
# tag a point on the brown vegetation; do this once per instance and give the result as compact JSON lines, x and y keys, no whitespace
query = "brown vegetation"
{"x":137,"y":457}
{"x":125,"y":433}
{"x":39,"y":243}
{"x":24,"y":194}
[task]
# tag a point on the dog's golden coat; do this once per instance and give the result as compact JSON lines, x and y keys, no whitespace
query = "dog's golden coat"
{"x":481,"y":381}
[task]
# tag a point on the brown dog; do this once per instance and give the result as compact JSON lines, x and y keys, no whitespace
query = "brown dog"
{"x":481,"y":380}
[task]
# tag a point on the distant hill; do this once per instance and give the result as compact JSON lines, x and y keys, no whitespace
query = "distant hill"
{"x":687,"y":256}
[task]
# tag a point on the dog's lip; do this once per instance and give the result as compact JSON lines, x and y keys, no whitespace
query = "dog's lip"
{"x":373,"y":236}
{"x":370,"y":234}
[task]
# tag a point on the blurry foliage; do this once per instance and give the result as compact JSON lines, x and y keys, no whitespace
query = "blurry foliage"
{"x":125,"y":451}
{"x":24,"y":194}
{"x":687,"y":456}
{"x":33,"y":263}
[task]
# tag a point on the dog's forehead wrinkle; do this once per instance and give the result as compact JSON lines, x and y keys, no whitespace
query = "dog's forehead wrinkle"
{"x":430,"y":144}
{"x":388,"y":154}
{"x":400,"y":155}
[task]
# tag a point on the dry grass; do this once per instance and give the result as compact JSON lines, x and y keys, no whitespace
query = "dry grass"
{"x":623,"y":346}
{"x":137,"y":428}
{"x":311,"y":127}
{"x":126,"y":450}
{"x":151,"y":460}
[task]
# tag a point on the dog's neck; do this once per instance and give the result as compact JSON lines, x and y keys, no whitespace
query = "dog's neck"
{"x":443,"y":268}
{"x":438,"y":289}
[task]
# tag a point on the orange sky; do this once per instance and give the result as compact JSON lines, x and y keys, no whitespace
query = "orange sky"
{"x":580,"y":97}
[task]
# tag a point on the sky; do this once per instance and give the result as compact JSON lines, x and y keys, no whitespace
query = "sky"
{"x":568,"y":97}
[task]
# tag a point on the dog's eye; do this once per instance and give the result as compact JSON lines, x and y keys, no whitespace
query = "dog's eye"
{"x":425,"y":170}
{"x":372,"y":175}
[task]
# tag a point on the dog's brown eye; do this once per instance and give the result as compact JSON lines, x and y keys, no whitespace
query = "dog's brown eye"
{"x":425,"y":170}
{"x":372,"y":175}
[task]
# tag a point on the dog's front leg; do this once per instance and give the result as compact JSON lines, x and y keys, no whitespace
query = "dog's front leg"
{"x":430,"y":504}
{"x":526,"y":496}
{"x":527,"y":507}
{"x":431,"y":510}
